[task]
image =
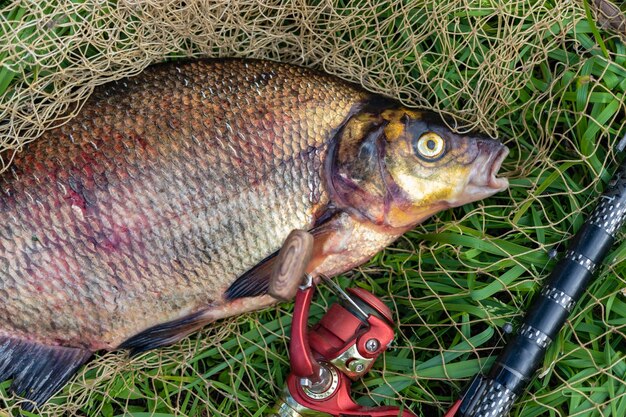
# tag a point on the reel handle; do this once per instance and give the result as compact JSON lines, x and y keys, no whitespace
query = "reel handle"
{"x":290,"y":266}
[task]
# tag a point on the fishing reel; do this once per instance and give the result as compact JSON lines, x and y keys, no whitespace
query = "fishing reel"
{"x":329,"y":356}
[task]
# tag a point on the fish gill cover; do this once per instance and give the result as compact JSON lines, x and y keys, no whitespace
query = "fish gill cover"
{"x":542,"y":76}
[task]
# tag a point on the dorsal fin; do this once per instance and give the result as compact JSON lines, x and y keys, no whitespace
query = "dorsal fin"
{"x":38,"y":371}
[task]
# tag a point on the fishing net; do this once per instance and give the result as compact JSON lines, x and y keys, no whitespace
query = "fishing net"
{"x":542,"y":76}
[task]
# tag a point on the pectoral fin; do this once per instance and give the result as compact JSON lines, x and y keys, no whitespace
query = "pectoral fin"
{"x":256,"y":281}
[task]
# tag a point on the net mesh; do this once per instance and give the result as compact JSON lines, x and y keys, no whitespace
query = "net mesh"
{"x":537,"y":74}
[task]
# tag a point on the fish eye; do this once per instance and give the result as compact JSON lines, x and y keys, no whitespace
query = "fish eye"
{"x":430,"y":145}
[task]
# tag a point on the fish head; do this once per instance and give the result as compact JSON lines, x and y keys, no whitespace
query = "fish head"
{"x":398,"y":167}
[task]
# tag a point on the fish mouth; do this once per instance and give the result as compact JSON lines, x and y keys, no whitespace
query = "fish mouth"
{"x":494,"y":182}
{"x":483,"y":178}
{"x":483,"y":181}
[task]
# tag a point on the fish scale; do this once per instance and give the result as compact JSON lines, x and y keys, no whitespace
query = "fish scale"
{"x":160,"y":199}
{"x":160,"y":206}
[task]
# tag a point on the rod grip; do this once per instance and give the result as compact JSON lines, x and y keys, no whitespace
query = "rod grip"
{"x":489,"y":399}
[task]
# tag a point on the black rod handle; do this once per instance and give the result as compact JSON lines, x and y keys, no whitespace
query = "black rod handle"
{"x":493,"y":395}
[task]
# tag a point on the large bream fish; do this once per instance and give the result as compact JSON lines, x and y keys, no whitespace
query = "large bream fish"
{"x":158,"y":208}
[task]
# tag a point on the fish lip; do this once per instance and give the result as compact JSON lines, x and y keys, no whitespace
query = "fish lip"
{"x":499,"y":183}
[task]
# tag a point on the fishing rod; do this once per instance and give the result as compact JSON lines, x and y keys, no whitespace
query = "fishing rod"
{"x":493,"y":394}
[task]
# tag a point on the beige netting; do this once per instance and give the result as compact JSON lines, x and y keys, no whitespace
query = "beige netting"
{"x":57,"y":54}
{"x":509,"y":68}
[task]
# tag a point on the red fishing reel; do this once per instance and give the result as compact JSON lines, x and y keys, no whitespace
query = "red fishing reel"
{"x":341,"y":348}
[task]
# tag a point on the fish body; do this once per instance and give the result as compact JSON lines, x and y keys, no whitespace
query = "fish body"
{"x":157,"y":209}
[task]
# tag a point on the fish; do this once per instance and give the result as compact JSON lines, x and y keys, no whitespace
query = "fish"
{"x":161,"y":206}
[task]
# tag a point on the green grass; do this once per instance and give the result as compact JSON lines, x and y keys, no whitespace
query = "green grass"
{"x":455,"y":281}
